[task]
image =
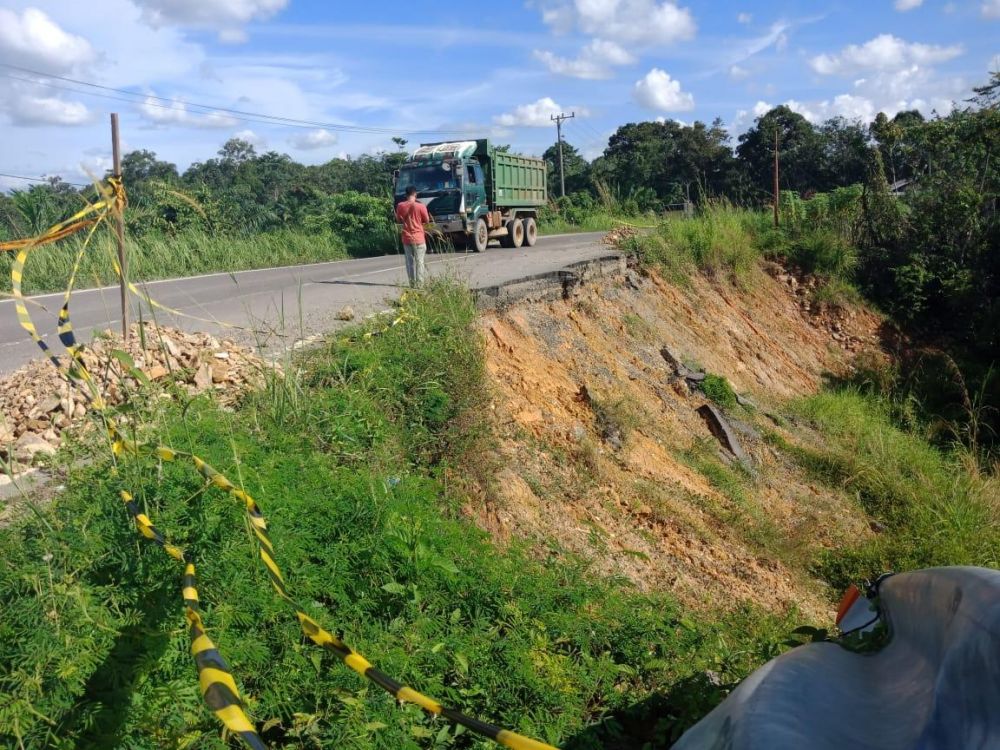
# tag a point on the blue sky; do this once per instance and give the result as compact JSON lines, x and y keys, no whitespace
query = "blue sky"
{"x":496,"y":69}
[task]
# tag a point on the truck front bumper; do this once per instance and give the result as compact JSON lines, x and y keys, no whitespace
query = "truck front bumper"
{"x":449,"y":224}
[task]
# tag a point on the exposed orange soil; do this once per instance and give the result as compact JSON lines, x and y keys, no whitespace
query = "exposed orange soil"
{"x":646,"y":510}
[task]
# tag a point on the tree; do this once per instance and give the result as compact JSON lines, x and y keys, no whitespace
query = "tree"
{"x":577,"y":170}
{"x":237,"y":151}
{"x":800,"y":146}
{"x":142,"y":165}
{"x":987,"y":96}
{"x":845,"y":153}
{"x":677,"y":161}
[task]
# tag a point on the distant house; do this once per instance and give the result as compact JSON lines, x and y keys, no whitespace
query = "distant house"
{"x":899,"y":187}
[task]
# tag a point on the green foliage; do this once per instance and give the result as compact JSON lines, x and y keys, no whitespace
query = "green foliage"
{"x":933,"y":507}
{"x":718,"y":389}
{"x":353,"y":464}
{"x":183,"y":254}
{"x":364,"y":221}
{"x":718,"y":241}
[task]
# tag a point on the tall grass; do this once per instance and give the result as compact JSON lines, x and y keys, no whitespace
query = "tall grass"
{"x":595,"y":221}
{"x":718,"y":240}
{"x":185,"y":254}
{"x":928,"y":506}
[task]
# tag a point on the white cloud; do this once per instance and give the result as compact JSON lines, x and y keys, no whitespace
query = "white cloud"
{"x":226,"y":16}
{"x":313,"y":139}
{"x":219,"y":13}
{"x":233,"y":36}
{"x":255,"y":140}
{"x":639,"y":22}
{"x":657,"y":90}
{"x":594,"y":62}
{"x":35,"y":40}
{"x":176,"y":112}
{"x":738,"y":73}
{"x":883,"y":53}
{"x":535,"y":115}
{"x":46,"y":110}
{"x":744,"y":17}
{"x":991,"y":9}
{"x":775,"y":36}
{"x":904,"y":5}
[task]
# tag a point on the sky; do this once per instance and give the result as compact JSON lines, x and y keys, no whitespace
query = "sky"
{"x":353,"y":75}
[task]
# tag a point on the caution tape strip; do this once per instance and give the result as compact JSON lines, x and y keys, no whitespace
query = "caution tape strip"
{"x":313,"y":630}
{"x":218,"y":688}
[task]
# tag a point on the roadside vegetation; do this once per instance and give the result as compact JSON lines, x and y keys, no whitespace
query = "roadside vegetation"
{"x":359,"y":459}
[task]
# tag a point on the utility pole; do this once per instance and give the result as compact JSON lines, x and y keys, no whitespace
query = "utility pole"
{"x":558,"y":119}
{"x":116,"y":156}
{"x":776,"y":193}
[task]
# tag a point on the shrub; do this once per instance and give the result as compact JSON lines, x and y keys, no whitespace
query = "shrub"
{"x":718,"y":389}
{"x":363,"y":221}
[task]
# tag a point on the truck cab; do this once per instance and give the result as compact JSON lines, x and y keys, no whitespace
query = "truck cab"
{"x":466,"y":197}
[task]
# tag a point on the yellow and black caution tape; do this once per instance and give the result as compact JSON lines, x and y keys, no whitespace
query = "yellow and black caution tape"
{"x":112,"y":199}
{"x":316,"y":633}
{"x":218,"y":688}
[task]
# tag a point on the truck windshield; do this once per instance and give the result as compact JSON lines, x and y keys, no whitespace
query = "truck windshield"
{"x":427,"y":179}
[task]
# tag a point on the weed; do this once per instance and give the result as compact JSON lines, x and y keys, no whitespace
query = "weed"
{"x":936,"y":508}
{"x":717,"y":241}
{"x":718,"y":389}
{"x":638,"y":328}
{"x":615,"y":416}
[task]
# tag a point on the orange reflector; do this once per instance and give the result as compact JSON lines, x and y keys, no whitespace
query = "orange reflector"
{"x":846,"y":601}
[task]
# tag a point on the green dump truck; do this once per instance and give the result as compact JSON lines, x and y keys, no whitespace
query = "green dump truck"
{"x":475,"y":193}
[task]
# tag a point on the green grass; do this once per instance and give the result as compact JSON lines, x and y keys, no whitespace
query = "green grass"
{"x":718,"y":389}
{"x":935,"y":508}
{"x":186,"y":254}
{"x":719,"y":240}
{"x":357,"y":461}
{"x":597,"y":221}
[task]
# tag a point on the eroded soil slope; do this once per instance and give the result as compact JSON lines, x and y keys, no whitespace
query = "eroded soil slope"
{"x":606,"y":456}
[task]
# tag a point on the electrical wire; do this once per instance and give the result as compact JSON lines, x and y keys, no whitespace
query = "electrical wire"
{"x":236,"y":114}
{"x":42,"y":179}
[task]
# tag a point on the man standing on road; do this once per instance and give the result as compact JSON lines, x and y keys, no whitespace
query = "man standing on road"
{"x":412,"y":214}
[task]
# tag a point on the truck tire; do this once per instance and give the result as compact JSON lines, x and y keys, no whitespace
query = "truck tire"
{"x":515,"y":233}
{"x":530,"y":232}
{"x":481,"y":237}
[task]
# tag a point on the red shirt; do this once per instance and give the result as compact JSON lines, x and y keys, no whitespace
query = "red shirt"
{"x":413,"y":215}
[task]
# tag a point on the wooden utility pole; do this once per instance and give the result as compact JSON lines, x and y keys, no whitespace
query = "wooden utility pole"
{"x":776,"y":189}
{"x":116,"y":155}
{"x":558,"y":119}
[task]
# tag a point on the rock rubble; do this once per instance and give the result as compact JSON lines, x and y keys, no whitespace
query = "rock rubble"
{"x":38,"y":405}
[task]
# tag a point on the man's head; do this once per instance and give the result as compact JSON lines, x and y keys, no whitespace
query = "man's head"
{"x":411,"y":193}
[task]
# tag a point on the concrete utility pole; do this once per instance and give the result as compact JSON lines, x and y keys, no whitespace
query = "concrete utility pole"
{"x":776,"y":190}
{"x":116,"y":156}
{"x":558,"y":119}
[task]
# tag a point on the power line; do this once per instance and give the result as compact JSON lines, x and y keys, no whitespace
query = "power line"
{"x":238,"y":114}
{"x":42,"y":179}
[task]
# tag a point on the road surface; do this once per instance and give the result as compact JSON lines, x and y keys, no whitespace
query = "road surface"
{"x":282,"y":304}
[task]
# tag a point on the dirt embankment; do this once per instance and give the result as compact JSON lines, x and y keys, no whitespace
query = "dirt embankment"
{"x":607,"y":457}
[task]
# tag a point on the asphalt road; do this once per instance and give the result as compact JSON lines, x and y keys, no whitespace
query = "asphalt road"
{"x":283,"y":304}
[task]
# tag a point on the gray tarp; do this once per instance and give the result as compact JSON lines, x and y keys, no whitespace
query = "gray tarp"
{"x":935,"y":686}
